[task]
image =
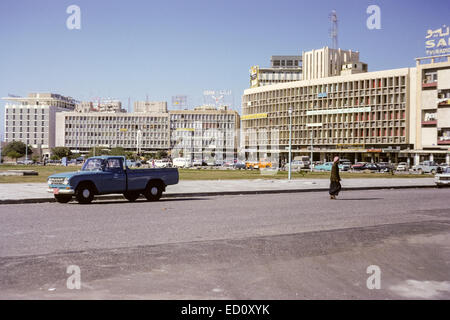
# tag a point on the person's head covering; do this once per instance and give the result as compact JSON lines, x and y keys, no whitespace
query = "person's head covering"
{"x":336,"y":159}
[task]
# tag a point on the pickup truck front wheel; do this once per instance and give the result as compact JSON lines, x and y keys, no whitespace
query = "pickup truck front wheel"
{"x":63,"y":198}
{"x":153,"y":192}
{"x":131,"y":196}
{"x":84,"y":194}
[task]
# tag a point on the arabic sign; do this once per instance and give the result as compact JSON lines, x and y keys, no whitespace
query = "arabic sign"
{"x":254,"y":77}
{"x":338,"y":111}
{"x":254,"y":116}
{"x":438,"y":41}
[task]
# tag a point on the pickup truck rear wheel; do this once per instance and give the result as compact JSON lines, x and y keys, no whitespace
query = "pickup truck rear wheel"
{"x":153,"y":192}
{"x":63,"y":198}
{"x":131,"y":195}
{"x":84,"y":194}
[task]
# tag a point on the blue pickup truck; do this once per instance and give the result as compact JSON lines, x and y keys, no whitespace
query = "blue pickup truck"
{"x":107,"y":175}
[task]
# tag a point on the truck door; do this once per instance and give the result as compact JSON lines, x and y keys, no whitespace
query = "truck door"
{"x":115,"y":179}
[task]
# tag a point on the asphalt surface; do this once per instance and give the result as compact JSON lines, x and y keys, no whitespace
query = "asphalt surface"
{"x":273,"y":246}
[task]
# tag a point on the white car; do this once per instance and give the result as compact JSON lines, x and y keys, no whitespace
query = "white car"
{"x":402,"y":166}
{"x":182,"y":163}
{"x":443,"y":179}
{"x":162,"y":163}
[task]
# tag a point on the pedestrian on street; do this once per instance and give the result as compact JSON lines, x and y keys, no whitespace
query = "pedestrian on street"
{"x":335,"y":184}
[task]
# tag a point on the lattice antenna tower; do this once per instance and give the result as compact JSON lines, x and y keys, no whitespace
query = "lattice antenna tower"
{"x":334,"y":29}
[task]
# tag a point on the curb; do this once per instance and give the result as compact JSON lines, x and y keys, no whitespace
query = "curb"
{"x":224,"y":193}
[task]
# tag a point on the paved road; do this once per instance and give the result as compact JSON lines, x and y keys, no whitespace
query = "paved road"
{"x":277,"y":246}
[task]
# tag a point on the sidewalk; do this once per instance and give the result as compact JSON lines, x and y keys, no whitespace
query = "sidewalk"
{"x":37,"y":192}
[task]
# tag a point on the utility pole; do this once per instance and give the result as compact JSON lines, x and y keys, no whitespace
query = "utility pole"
{"x":290,"y":142}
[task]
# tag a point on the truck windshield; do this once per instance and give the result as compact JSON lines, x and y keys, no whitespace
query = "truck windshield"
{"x":92,"y":165}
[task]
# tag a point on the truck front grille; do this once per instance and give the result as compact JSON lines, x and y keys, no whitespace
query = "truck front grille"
{"x":56,"y":180}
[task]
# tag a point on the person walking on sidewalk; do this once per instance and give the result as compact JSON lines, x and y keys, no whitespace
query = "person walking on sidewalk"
{"x":335,"y":179}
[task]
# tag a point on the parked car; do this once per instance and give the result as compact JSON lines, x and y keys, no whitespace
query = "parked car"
{"x":239,"y":165}
{"x":324,"y":166}
{"x":108,"y":175}
{"x":385,"y":166}
{"x":402,"y":166}
{"x":296,"y":165}
{"x":162,"y":163}
{"x":426,"y":167}
{"x":367,"y":166}
{"x":371,"y":167}
{"x":357,"y":166}
{"x":443,"y":179}
{"x":182,"y":163}
{"x":345,"y":165}
{"x":198,"y":162}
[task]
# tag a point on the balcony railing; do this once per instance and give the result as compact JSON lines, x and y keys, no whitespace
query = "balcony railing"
{"x":429,"y":122}
{"x":429,"y":84}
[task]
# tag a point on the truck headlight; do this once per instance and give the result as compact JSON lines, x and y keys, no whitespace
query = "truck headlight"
{"x":66,"y":181}
{"x":49,"y":182}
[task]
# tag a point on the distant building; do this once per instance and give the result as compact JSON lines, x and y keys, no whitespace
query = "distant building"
{"x":132,"y":131}
{"x":206,"y":129}
{"x":31,"y":119}
{"x":100,"y":106}
{"x":327,"y":62}
{"x":282,"y":69}
{"x":150,"y":106}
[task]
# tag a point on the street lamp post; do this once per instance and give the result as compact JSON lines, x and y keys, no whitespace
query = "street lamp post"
{"x":290,"y":141}
{"x":312,"y":154}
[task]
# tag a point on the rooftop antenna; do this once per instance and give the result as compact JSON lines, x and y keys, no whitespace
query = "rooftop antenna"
{"x":334,"y":29}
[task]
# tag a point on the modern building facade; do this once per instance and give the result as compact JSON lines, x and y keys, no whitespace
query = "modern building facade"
{"x":108,"y":105}
{"x":327,"y":62}
{"x":362,"y":116}
{"x":32,"y":119}
{"x":150,"y":106}
{"x":282,"y":69}
{"x":432,"y":128}
{"x":133,"y":131}
{"x":391,"y":115}
{"x":204,"y":132}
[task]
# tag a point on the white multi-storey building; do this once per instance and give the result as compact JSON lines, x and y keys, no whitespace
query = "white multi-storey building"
{"x":132,"y":131}
{"x":32,"y":119}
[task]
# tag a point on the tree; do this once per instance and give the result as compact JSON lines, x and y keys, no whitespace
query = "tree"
{"x":117,"y":151}
{"x":99,"y":151}
{"x":17,"y":149}
{"x":161,"y":154}
{"x":61,"y":152}
{"x":14,"y":155}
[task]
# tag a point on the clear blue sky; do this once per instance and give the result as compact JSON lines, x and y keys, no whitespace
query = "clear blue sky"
{"x":163,"y":48}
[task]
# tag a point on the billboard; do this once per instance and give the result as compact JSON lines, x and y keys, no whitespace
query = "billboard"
{"x":254,"y":76}
{"x":438,"y":41}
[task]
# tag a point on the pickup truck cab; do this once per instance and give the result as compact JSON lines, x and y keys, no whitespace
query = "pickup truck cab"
{"x":108,"y":175}
{"x":426,"y":167}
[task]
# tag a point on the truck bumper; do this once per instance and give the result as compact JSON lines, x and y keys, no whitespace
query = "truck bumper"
{"x":60,"y":191}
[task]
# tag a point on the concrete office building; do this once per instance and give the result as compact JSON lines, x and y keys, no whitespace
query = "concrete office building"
{"x":204,"y":130}
{"x":132,"y":131}
{"x":327,"y":62}
{"x":32,"y":119}
{"x":108,"y":105}
{"x":432,"y":128}
{"x":150,"y":106}
{"x":364,"y":116}
{"x":282,"y":69}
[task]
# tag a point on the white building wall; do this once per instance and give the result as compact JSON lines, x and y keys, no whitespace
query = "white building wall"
{"x":444,"y":79}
